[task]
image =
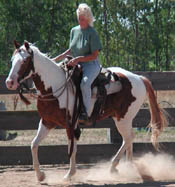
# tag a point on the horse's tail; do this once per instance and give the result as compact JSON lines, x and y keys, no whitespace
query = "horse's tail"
{"x":158,"y":119}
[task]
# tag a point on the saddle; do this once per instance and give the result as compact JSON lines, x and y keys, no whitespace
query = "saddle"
{"x":103,"y":78}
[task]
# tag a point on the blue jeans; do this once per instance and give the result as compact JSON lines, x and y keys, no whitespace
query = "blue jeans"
{"x":90,"y":71}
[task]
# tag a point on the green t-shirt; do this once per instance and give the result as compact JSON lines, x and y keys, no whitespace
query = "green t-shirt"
{"x":84,"y":42}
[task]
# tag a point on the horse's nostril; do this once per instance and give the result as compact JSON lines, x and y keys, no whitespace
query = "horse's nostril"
{"x":9,"y":83}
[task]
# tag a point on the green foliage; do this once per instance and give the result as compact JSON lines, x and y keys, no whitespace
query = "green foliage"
{"x":136,"y":35}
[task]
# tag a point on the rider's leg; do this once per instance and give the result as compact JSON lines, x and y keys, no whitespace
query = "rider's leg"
{"x":90,"y":72}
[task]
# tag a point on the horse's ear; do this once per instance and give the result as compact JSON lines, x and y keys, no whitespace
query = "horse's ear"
{"x":26,"y":44}
{"x":17,"y":45}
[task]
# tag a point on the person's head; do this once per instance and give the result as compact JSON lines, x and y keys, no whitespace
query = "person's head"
{"x":84,"y":15}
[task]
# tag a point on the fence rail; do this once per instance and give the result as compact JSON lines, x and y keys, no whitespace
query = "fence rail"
{"x":28,"y":120}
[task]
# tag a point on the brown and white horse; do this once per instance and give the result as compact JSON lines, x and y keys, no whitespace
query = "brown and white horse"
{"x":123,"y":101}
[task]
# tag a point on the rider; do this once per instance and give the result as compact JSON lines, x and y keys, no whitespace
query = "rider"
{"x":84,"y":46}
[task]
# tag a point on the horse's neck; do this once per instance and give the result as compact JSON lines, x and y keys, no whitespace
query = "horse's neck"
{"x":51,"y":75}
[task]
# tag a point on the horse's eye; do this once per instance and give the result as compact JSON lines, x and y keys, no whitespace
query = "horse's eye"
{"x":19,"y":50}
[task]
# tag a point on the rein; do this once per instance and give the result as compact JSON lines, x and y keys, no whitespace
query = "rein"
{"x":63,"y":87}
{"x":22,"y":84}
{"x":41,"y":96}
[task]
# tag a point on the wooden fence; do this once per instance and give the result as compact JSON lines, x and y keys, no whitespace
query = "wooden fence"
{"x":28,"y":120}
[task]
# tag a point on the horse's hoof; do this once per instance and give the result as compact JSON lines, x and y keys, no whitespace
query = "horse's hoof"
{"x":67,"y":178}
{"x":69,"y":175}
{"x":41,"y":176}
{"x":147,"y":178}
{"x":114,"y":170}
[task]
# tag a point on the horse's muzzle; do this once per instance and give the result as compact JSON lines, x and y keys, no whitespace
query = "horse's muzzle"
{"x":11,"y":85}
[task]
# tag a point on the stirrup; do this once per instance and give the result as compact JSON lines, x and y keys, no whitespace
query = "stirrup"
{"x":84,"y":119}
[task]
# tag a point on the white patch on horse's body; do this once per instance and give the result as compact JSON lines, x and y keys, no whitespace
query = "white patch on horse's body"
{"x":53,"y":77}
{"x":138,"y":90}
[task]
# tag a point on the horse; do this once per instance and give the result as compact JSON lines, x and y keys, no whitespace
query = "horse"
{"x":56,"y":100}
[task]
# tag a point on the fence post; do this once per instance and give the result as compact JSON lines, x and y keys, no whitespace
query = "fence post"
{"x":3,"y":133}
{"x":2,"y":105}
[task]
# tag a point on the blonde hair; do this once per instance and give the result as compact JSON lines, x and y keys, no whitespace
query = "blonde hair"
{"x":84,"y":10}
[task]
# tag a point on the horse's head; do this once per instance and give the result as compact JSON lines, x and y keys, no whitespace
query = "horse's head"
{"x":22,"y":65}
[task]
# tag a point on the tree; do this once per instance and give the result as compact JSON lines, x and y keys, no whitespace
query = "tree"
{"x":135,"y":35}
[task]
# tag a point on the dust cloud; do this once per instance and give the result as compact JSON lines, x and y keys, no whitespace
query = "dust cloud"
{"x":148,"y":167}
{"x":160,"y":167}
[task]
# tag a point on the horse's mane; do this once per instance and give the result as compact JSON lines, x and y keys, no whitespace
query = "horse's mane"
{"x":36,"y":49}
{"x":45,"y":55}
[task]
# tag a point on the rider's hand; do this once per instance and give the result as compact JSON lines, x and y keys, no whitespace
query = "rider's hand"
{"x":73,"y":62}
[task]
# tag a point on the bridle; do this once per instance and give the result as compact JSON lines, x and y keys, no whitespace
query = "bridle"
{"x":23,"y":76}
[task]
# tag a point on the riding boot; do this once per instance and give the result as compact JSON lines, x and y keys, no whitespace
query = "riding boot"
{"x":83,"y":117}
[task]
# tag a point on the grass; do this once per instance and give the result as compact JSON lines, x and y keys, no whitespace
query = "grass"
{"x":7,"y":103}
{"x":88,"y":136}
{"x":58,"y":137}
{"x":168,"y":135}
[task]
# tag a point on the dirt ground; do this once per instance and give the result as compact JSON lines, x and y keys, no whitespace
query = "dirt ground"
{"x":25,"y":177}
{"x":146,"y":171}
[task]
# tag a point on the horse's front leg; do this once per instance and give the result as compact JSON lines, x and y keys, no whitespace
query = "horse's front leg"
{"x":41,"y":134}
{"x":72,"y":169}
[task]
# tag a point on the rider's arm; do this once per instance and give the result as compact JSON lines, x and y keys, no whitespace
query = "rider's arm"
{"x":62,"y":56}
{"x":84,"y":59}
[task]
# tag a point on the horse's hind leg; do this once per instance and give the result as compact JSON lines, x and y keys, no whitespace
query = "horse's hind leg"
{"x":41,"y":134}
{"x":125,"y":129}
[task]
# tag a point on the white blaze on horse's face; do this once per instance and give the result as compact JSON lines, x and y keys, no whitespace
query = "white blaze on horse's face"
{"x":19,"y":56}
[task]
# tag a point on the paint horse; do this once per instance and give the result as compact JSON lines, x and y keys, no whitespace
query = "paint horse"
{"x":56,"y":97}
